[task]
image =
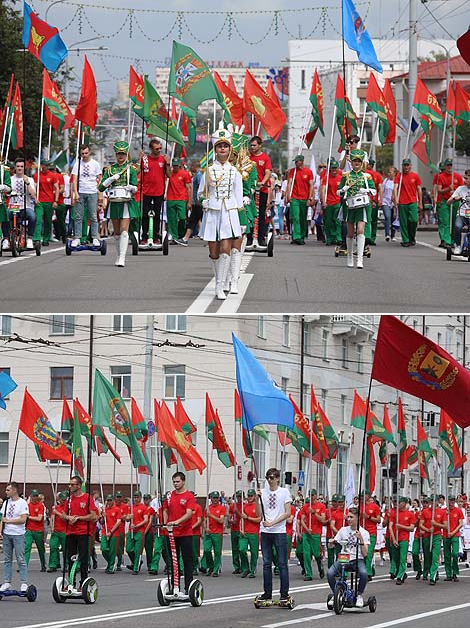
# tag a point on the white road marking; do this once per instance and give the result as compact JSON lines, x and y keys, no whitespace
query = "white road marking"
{"x":400,"y":621}
{"x":28,"y":256}
{"x":296,"y":621}
{"x":233,"y":302}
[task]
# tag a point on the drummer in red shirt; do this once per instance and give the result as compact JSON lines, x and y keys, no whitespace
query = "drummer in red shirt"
{"x":154,"y":170}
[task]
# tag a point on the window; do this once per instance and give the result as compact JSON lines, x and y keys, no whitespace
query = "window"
{"x":306,"y":339}
{"x":284,"y":384}
{"x":324,"y":343}
{"x":61,"y":383}
{"x":360,"y":366}
{"x":5,"y":325}
{"x":459,"y":345}
{"x":305,"y":397}
{"x":449,"y":335}
{"x":286,"y":330}
{"x":343,"y":402}
{"x":262,"y":327}
{"x":415,"y":324}
{"x":4,"y":447}
{"x":7,"y":370}
{"x":121,"y":380}
{"x":344,"y":353}
{"x":259,"y":450}
{"x":302,"y":79}
{"x":341,"y":468}
{"x":439,"y":338}
{"x":62,"y":324}
{"x":174,"y":381}
{"x":324,"y":399}
{"x":122,"y":323}
{"x":175,"y":323}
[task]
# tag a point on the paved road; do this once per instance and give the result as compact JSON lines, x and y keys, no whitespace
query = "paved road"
{"x":126,"y":600}
{"x":296,"y":279}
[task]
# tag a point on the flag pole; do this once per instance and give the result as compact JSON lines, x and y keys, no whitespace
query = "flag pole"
{"x":329,"y":153}
{"x":7,"y":112}
{"x":49,"y":142}
{"x":344,"y":74}
{"x":9,"y":136}
{"x":441,"y":153}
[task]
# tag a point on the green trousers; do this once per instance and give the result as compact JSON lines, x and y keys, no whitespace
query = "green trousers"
{"x":332,"y":224}
{"x":299,"y":553}
{"x":370,"y":555}
{"x":196,"y":549}
{"x":38,"y":538}
{"x":212,"y":549}
{"x":109,"y":549}
{"x":134,"y":546}
{"x":159,"y":549}
{"x":120,"y":548}
{"x":398,"y":558}
{"x":235,"y":544}
{"x":446,"y":220}
{"x":368,"y":225}
{"x":435,"y":552}
{"x":408,"y":213}
{"x":43,"y":213}
{"x":426,"y":556}
{"x":451,"y":556}
{"x":415,"y":553}
{"x":298,"y":217}
{"x":311,"y":546}
{"x":176,"y":214}
{"x":249,"y":541}
{"x":56,"y":546}
{"x":374,"y":219}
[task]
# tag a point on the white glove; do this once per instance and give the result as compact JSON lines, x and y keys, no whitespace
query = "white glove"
{"x":344,"y":189}
{"x":205,"y":204}
{"x":246,"y":201}
{"x":130,"y":188}
{"x":364,"y":191}
{"x":4,"y":188}
{"x":107,"y":182}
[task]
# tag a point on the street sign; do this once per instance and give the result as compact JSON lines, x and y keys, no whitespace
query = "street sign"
{"x":301,"y":478}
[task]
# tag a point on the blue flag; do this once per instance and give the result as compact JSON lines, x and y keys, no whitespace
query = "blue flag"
{"x":262,"y":400}
{"x":357,"y":37}
{"x":42,"y":40}
{"x":7,"y":385}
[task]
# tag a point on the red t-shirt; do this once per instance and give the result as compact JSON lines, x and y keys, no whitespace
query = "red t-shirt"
{"x":444,"y":180}
{"x":332,"y":196}
{"x":112,"y":515}
{"x":125,"y":510}
{"x":234,"y":518}
{"x":302,"y":178}
{"x":81,"y":505}
{"x":263,"y":163}
{"x":455,"y":515}
{"x":60,"y":182}
{"x":377,"y":178}
{"x":46,"y":186}
{"x":60,"y":525}
{"x":418,"y":532}
{"x":252,"y":528}
{"x":197,"y":513}
{"x":153,"y":175}
{"x":337,"y":516}
{"x":218,"y":511}
{"x":177,"y":190}
{"x":311,"y":521}
{"x":35,"y":510}
{"x":290,"y":526}
{"x":440,"y":516}
{"x":407,"y":518}
{"x":139,"y":512}
{"x":409,"y":187}
{"x":177,"y":507}
{"x":370,"y":510}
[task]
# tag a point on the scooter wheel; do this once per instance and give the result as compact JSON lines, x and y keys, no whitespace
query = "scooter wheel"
{"x":196,"y":593}
{"x":135,"y":244}
{"x":372,"y":604}
{"x":162,"y":590}
{"x":448,"y":254}
{"x":14,"y":246}
{"x":339,"y":600}
{"x":336,"y":253}
{"x":329,"y":601}
{"x":31,"y":593}
{"x":270,"y":246}
{"x":165,"y":245}
{"x":68,"y":251}
{"x":104,"y":247}
{"x":89,"y":590}
{"x":57,"y":588}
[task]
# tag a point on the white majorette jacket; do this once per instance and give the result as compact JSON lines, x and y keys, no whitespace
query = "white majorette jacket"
{"x":224,"y":187}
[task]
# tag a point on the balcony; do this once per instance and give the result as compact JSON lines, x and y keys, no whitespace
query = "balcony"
{"x":357,"y":327}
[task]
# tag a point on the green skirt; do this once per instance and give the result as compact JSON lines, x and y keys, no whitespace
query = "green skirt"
{"x":118,"y":208}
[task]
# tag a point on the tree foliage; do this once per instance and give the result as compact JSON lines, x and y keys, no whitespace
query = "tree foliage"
{"x":462,"y":144}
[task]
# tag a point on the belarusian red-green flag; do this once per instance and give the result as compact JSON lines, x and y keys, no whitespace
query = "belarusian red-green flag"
{"x":58,"y":113}
{"x":183,"y":418}
{"x":77,"y":450}
{"x":170,"y":457}
{"x":450,"y":100}
{"x":426,"y":103}
{"x":462,"y":103}
{"x":17,"y":126}
{"x":375,"y":429}
{"x":66,"y":422}
{"x":388,"y":429}
{"x":216,"y":435}
{"x":376,"y":101}
{"x":316,"y":100}
{"x":405,"y":451}
{"x":449,"y":441}
{"x":391,"y":110}
{"x":302,"y":429}
{"x":157,"y":116}
{"x":320,"y":454}
{"x":85,"y":423}
{"x":424,"y":451}
{"x":329,"y":436}
{"x":345,"y":116}
{"x":102,"y":443}
{"x":141,"y":434}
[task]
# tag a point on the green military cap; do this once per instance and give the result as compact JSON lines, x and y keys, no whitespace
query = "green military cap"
{"x":137,"y":494}
{"x":176,"y":161}
{"x":341,"y":498}
{"x":371,"y":162}
{"x":146,"y":496}
{"x":357,"y":154}
{"x":312,"y":492}
{"x":34,"y":492}
{"x":365,"y":492}
{"x":402,"y":499}
{"x":62,"y":495}
{"x":426,"y":499}
{"x":333,"y":163}
{"x":119,"y":494}
{"x":451,"y":497}
{"x":251,"y":492}
{"x":406,"y":162}
{"x":334,"y":498}
{"x":448,"y":162}
{"x":121,"y":146}
{"x":239,"y":493}
{"x":298,"y":158}
{"x":214,"y":494}
{"x":110,"y":497}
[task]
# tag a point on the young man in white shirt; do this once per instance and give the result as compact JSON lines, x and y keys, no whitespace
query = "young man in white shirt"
{"x":462,"y":194}
{"x":354,"y":541}
{"x":21,"y":184}
{"x":14,"y":513}
{"x":85,"y":194}
{"x":274,"y":507}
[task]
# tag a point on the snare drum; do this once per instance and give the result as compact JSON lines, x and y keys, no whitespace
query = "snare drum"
{"x":119,"y":194}
{"x":357,"y":201}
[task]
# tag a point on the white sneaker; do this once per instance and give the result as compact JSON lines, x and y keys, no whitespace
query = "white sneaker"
{"x":96,"y":242}
{"x":29,"y":243}
{"x":5,"y":244}
{"x":360,"y":263}
{"x":5,"y":586}
{"x":75,"y":242}
{"x":53,"y":239}
{"x":387,"y":238}
{"x":24,"y":587}
{"x":457,"y":250}
{"x":359,"y":601}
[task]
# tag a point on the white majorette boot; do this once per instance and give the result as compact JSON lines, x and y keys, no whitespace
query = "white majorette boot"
{"x":123,"y":244}
{"x":361,"y":241}
{"x":117,"y":241}
{"x":235,"y":264}
{"x":216,"y":269}
{"x":349,"y":245}
{"x":222,"y":271}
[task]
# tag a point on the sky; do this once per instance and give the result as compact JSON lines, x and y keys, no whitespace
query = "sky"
{"x":143,"y":38}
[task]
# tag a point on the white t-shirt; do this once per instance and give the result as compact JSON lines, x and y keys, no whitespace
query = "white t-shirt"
{"x":13,"y":509}
{"x":89,"y":172}
{"x":67,"y":199}
{"x":17,"y":192}
{"x":274,"y":503}
{"x":463,"y":194}
{"x":346,"y":536}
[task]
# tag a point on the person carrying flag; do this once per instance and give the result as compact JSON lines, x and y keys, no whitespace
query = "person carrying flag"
{"x":138,"y":519}
{"x":400,"y":527}
{"x":408,"y":197}
{"x":111,"y":521}
{"x":58,"y":527}
{"x":370,"y":517}
{"x":451,"y":534}
{"x":35,"y":528}
{"x":331,"y":202}
{"x":299,"y":194}
{"x":250,"y":536}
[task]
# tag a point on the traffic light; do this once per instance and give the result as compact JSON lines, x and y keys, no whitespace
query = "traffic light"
{"x":393,"y":466}
{"x":288,"y":478}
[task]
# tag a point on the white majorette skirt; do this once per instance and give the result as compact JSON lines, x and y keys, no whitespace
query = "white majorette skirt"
{"x":220,"y":224}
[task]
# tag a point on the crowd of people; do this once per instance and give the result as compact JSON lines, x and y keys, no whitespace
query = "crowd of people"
{"x":422,"y":532}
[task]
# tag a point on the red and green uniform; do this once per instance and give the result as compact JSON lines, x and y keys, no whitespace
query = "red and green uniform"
{"x":416,"y":547}
{"x":408,"y":205}
{"x":332,"y":207}
{"x":425,"y":518}
{"x":440,"y":517}
{"x":35,"y":533}
{"x":60,"y":209}
{"x":135,"y":536}
{"x":177,"y":202}
{"x":370,"y":510}
{"x":311,"y":536}
{"x":249,"y":539}
{"x":213,"y":538}
{"x":302,"y":179}
{"x":446,"y":214}
{"x":197,"y":513}
{"x":43,"y":208}
{"x":451,"y":543}
{"x":160,"y":545}
{"x":399,"y":554}
{"x":377,"y":178}
{"x":57,"y":539}
{"x":149,"y":536}
{"x":125,"y":510}
{"x":234,"y":520}
{"x":110,"y":535}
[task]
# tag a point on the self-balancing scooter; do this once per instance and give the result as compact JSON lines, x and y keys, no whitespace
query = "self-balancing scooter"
{"x":63,"y":589}
{"x":168,"y":590}
{"x":255,"y":247}
{"x":465,"y":253}
{"x":69,"y":248}
{"x":17,"y":236}
{"x":152,"y":244}
{"x":345,"y":596}
{"x":289,"y":603}
{"x":31,"y":593}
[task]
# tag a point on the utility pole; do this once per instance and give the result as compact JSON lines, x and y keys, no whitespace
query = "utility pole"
{"x":413,"y":68}
{"x":148,"y":372}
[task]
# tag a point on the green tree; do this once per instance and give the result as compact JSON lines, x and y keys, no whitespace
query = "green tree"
{"x":462,"y":144}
